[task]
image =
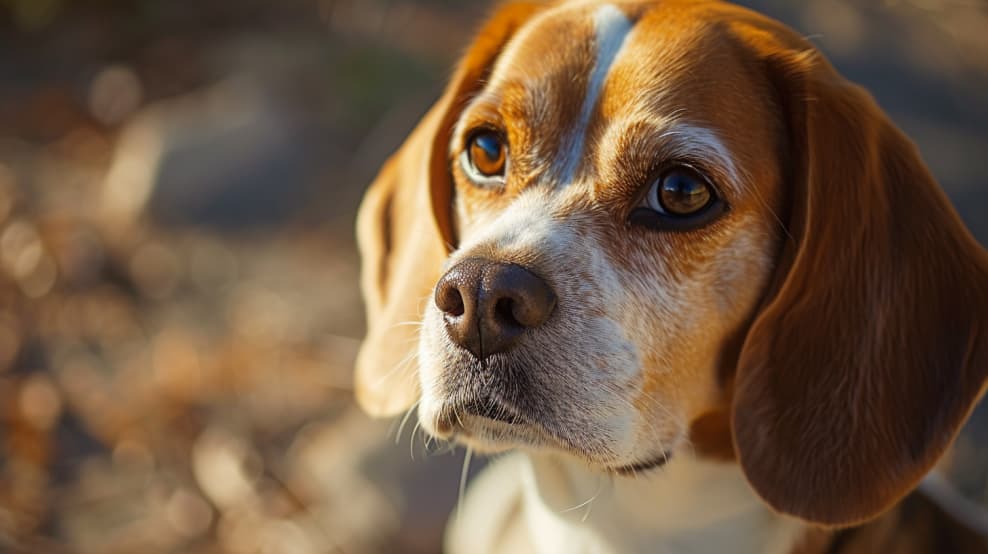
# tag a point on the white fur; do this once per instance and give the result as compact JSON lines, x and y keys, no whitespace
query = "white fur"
{"x":525,"y":230}
{"x":553,"y":505}
{"x":523,"y":226}
{"x":612,"y":30}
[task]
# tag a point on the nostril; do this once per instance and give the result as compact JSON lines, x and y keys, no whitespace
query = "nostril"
{"x":450,"y":300}
{"x":521,"y":300}
{"x":457,"y":309}
{"x":455,"y":305}
{"x":504,"y":311}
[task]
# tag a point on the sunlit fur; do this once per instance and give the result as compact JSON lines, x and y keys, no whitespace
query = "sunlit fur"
{"x":630,"y":358}
{"x":799,"y":363}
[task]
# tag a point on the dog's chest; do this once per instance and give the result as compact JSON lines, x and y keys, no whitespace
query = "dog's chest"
{"x":545,"y":505}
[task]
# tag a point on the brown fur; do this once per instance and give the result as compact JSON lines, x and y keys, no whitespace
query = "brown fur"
{"x":835,"y":338}
{"x":863,"y":365}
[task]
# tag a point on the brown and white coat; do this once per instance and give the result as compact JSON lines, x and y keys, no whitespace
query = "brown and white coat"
{"x":796,"y":363}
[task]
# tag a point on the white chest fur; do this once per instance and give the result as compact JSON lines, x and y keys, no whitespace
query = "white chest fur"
{"x":549,"y":505}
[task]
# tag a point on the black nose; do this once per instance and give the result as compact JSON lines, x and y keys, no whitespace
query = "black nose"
{"x":488,"y":305}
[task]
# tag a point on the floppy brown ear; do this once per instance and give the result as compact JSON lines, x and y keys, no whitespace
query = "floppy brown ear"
{"x":404,"y":229}
{"x":872,"y":347}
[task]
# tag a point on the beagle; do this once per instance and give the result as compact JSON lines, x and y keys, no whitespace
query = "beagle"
{"x":694,"y":280}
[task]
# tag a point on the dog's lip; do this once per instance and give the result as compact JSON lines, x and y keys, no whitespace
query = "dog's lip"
{"x":495,"y":412}
{"x":643,"y":466}
{"x":482,"y":410}
{"x":490,"y":424}
{"x":511,"y":428}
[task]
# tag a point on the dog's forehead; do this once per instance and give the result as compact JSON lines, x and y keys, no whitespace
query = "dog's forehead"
{"x":582,"y":73}
{"x":590,"y":48}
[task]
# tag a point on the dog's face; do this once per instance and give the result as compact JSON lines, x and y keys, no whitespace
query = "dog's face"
{"x":624,"y":167}
{"x":631,"y":226}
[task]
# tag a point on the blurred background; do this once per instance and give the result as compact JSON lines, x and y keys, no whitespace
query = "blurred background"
{"x":178,"y":279}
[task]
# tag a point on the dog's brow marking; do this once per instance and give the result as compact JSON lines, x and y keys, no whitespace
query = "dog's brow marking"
{"x":705,"y":142}
{"x":612,"y":29}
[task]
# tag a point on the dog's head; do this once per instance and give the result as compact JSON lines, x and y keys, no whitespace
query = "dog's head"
{"x":630,"y":226}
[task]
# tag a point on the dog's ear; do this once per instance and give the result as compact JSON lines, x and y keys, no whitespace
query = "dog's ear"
{"x":405,"y":230}
{"x":872,"y":346}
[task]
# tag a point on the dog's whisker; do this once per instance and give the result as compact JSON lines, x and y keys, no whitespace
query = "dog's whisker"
{"x":600,"y":489}
{"x":404,"y":420}
{"x":445,"y":448}
{"x":463,"y":481}
{"x":411,"y":439}
{"x":586,"y":503}
{"x":761,"y":200}
{"x":400,"y":368}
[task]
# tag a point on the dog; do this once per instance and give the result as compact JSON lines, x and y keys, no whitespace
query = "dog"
{"x":697,"y":284}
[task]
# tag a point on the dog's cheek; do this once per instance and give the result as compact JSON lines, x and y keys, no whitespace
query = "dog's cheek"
{"x":665,"y":311}
{"x":617,"y":333}
{"x":432,"y":359}
{"x":740,"y":271}
{"x":683,"y":333}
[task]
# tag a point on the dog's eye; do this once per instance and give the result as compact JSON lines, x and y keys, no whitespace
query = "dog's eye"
{"x":487,"y":154}
{"x":486,"y":157}
{"x":679,"y":192}
{"x":679,"y":200}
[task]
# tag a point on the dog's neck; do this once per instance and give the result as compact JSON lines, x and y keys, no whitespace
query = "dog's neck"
{"x":690,"y":505}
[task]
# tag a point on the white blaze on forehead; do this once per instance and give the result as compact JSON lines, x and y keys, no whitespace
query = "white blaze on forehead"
{"x":612,"y":28}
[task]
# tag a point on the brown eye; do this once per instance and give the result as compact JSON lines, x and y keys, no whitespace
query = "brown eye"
{"x":680,"y":192}
{"x":679,"y":200}
{"x":487,"y":156}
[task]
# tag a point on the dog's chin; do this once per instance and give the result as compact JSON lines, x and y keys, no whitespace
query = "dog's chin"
{"x":489,"y":436}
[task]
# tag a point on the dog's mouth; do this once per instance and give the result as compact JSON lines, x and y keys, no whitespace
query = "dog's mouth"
{"x":643,"y":467}
{"x":461,"y":417}
{"x":490,"y":424}
{"x":494,"y":411}
{"x":497,"y":435}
